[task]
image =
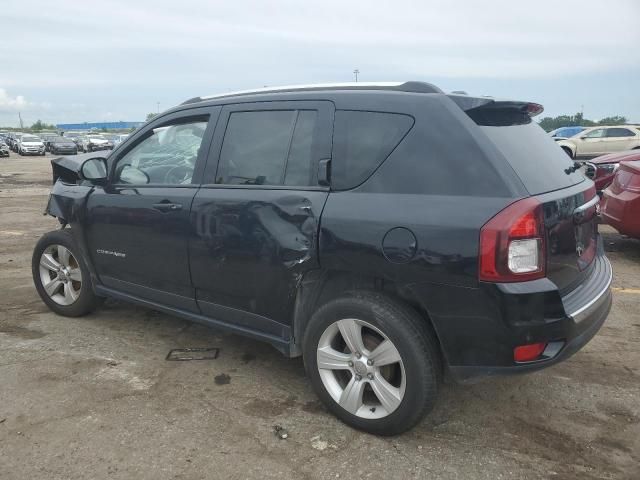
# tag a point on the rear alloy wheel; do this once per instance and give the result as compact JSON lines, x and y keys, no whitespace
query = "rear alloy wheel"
{"x":361,"y":368}
{"x":60,"y":275}
{"x":373,"y":361}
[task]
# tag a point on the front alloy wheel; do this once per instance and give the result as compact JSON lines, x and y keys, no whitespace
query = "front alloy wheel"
{"x":60,"y":274}
{"x":361,"y":368}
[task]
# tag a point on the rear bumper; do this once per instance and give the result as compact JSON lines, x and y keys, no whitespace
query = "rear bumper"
{"x":479,"y":328}
{"x":587,"y":308}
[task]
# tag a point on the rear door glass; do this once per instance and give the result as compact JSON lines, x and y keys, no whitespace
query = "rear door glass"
{"x":619,"y":132}
{"x":536,"y":158}
{"x":361,"y":142}
{"x":268,"y":147}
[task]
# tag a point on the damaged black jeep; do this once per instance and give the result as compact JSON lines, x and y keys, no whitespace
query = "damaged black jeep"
{"x":391,"y":234}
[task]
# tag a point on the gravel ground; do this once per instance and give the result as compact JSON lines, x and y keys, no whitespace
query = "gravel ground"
{"x":94,"y":397}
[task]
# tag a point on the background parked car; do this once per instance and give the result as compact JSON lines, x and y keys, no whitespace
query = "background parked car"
{"x":117,"y":139}
{"x":602,"y":169}
{"x":30,"y":145}
{"x":92,"y":143}
{"x":62,"y":146}
{"x":565,"y":132}
{"x":596,"y":141}
{"x":75,"y":137}
{"x":14,"y":138}
{"x":621,"y":201}
{"x":46,"y":138}
{"x":4,"y":149}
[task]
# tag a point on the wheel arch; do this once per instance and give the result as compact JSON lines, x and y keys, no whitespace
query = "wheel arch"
{"x":568,"y":150}
{"x":318,"y":287}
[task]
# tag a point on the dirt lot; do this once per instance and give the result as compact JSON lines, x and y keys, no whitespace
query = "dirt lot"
{"x":94,"y":397}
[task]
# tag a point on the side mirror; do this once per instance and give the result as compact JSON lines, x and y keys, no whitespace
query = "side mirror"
{"x":94,"y":170}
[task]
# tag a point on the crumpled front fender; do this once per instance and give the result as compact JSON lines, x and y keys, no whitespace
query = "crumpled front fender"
{"x":67,"y":202}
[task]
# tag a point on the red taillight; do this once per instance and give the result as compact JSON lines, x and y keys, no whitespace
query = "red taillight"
{"x":525,"y":226}
{"x":631,"y":182}
{"x":512,"y":244}
{"x":528,"y":353}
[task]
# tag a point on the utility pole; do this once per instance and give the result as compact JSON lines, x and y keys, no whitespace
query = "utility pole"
{"x":20,"y":117}
{"x":356,"y":72}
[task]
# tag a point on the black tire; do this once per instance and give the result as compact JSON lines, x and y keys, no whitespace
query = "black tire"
{"x":568,"y":151}
{"x":86,"y":301}
{"x":414,"y":341}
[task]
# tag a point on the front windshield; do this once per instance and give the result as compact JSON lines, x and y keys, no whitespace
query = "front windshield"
{"x":26,"y":138}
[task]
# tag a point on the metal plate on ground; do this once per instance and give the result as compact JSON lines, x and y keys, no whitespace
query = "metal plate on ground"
{"x":187,"y":354}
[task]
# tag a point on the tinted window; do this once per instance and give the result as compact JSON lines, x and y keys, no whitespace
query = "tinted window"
{"x":619,"y":132}
{"x":268,"y":148}
{"x":361,"y":142}
{"x":167,"y":156}
{"x":534,"y":156}
{"x":298,"y":169}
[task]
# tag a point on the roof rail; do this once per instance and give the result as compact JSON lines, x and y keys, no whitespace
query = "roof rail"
{"x":412,"y":86}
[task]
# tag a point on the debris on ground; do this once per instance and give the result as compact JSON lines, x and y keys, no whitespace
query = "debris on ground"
{"x":222,"y":379}
{"x":188,"y":354}
{"x":319,"y":444}
{"x":280,"y":432}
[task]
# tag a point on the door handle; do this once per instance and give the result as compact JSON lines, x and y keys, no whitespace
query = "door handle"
{"x":167,"y":207}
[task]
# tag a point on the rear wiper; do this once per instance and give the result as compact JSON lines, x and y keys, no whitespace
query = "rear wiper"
{"x":576,"y":166}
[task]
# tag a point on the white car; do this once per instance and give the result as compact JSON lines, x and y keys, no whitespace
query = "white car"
{"x":30,"y":145}
{"x":92,"y":143}
{"x":596,"y":141}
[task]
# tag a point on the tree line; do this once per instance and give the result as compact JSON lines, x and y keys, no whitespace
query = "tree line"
{"x":551,"y":123}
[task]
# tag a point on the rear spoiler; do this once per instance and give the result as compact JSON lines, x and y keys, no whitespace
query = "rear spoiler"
{"x":491,"y":112}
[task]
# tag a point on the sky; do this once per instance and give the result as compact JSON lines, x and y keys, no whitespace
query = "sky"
{"x":77,"y":61}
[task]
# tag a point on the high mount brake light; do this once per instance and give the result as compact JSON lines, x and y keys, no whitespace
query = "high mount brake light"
{"x":512,"y":245}
{"x":534,"y":109}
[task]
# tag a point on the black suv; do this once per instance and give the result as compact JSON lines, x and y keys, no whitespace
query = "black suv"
{"x":391,"y":234}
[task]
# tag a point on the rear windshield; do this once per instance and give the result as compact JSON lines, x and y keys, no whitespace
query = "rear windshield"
{"x":536,"y":158}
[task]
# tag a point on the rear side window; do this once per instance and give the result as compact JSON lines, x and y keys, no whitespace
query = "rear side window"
{"x":620,"y":132}
{"x":268,"y":147}
{"x":361,"y":142}
{"x":535,"y":157}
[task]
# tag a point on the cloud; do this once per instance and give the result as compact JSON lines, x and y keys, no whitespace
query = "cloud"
{"x":11,"y":104}
{"x":122,"y":56}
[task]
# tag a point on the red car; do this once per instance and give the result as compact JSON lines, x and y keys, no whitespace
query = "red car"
{"x":602,"y":169}
{"x":621,"y":201}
